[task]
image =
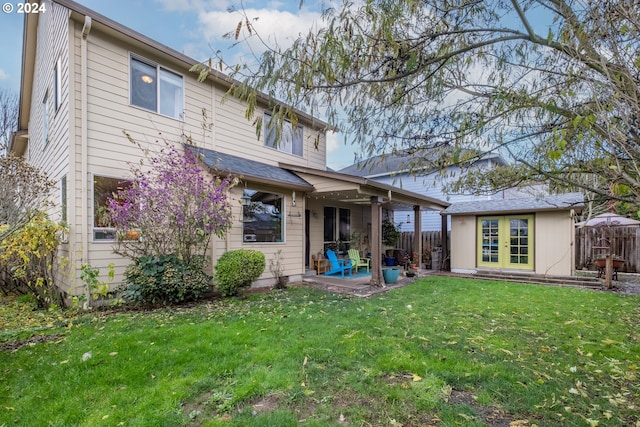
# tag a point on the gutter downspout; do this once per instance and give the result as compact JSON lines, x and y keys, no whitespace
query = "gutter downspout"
{"x":83,"y":140}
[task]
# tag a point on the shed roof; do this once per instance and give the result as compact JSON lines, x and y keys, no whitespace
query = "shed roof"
{"x":519,"y":205}
{"x":250,"y":169}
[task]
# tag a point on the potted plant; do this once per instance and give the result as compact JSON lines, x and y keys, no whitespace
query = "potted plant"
{"x":414,"y":261}
{"x":390,"y":233}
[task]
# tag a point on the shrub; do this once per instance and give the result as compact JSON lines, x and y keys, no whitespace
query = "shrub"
{"x":238,"y":269}
{"x":164,"y":280}
{"x":276,"y":266}
{"x":28,"y":256}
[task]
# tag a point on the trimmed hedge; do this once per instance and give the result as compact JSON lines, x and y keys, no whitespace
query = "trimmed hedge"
{"x":238,"y":269}
{"x":165,"y":280}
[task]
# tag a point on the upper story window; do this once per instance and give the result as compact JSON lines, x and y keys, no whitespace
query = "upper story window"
{"x":287,"y":140}
{"x":156,"y":89}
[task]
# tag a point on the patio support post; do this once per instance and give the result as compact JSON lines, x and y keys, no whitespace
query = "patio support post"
{"x":444,"y":240}
{"x":376,"y":242}
{"x":417,"y":235}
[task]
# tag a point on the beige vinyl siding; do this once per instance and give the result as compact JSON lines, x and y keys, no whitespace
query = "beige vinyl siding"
{"x":316,"y":157}
{"x":51,"y":156}
{"x":360,"y":220}
{"x":463,"y":243}
{"x":322,"y":184}
{"x":554,"y":243}
{"x":293,"y":246}
{"x":108,"y":113}
{"x":235,"y":135}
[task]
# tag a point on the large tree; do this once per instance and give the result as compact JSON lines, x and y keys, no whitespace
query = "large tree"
{"x":554,"y":85}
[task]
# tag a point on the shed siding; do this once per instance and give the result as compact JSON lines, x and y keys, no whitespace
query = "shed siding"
{"x":553,"y":247}
{"x":554,"y":243}
{"x":463,"y":244}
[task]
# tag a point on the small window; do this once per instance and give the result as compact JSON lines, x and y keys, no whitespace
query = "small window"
{"x":104,"y":189}
{"x":57,"y":85}
{"x":262,"y":217}
{"x":287,"y":141}
{"x":156,"y":89}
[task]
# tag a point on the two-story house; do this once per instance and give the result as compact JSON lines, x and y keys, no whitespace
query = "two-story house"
{"x":86,"y":79}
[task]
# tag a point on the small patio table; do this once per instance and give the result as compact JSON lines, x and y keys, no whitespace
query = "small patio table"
{"x":320,"y":265}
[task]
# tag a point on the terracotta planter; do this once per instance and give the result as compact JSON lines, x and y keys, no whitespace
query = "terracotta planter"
{"x":617,"y":263}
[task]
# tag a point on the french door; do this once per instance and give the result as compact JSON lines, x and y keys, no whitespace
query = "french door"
{"x":505,"y":242}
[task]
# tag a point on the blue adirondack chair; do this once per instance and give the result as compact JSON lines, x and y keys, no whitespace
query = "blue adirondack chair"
{"x":337,"y":265}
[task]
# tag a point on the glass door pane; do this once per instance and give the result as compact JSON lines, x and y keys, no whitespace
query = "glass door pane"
{"x":490,"y":241}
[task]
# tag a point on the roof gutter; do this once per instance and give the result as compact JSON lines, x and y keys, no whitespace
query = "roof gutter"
{"x":20,"y":138}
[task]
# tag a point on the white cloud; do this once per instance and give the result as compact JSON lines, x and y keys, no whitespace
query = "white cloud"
{"x":333,"y":141}
{"x":339,"y":155}
{"x":273,"y":26}
{"x":3,"y":75}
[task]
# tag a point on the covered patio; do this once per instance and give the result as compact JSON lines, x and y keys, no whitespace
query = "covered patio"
{"x":345,"y":208}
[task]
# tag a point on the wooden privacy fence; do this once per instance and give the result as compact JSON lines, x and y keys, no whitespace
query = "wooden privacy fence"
{"x":623,"y":241}
{"x":430,"y":241}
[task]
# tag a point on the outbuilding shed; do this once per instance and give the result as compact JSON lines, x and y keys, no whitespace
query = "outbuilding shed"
{"x":531,"y":234}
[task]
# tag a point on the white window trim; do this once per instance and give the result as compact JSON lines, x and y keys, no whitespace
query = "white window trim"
{"x":278,"y":146}
{"x":282,"y":219}
{"x":181,"y":115}
{"x":93,"y":228}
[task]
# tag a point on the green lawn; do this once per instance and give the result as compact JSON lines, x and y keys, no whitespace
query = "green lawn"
{"x":442,"y":351}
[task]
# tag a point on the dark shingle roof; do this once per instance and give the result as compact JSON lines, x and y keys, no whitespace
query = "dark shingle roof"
{"x":387,"y":164}
{"x":248,"y":168}
{"x":522,"y":204}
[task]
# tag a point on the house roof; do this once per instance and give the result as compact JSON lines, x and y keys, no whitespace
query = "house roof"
{"x":250,"y":170}
{"x":520,"y":205}
{"x":358,"y":189}
{"x":389,"y":164}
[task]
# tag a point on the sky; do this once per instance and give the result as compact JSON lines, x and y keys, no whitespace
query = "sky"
{"x":193,"y":27}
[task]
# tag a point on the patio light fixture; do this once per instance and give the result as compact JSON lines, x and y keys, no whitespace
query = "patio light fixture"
{"x":245,"y":200}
